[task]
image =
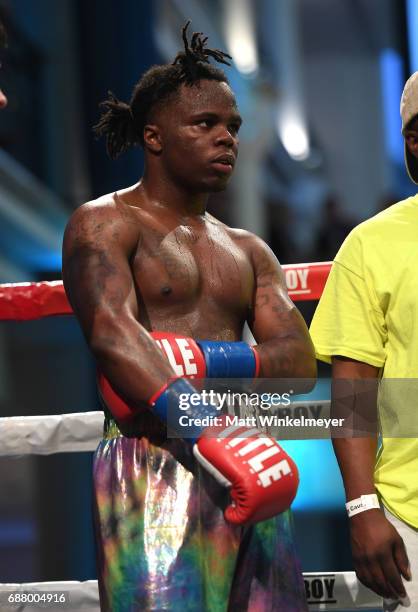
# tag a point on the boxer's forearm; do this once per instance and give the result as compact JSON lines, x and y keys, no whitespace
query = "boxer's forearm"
{"x":288,"y":357}
{"x":129,"y":358}
{"x":283,"y":341}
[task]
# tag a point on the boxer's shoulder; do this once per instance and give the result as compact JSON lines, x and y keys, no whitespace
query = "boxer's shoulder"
{"x":109,"y":207}
{"x":106,"y":218}
{"x":243,"y":237}
{"x":254,"y":246}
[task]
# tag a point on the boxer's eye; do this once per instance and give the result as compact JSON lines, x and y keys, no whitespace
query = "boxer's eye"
{"x":208,"y":123}
{"x":234,"y":128}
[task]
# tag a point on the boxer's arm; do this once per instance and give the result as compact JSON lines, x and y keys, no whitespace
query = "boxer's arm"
{"x":98,"y":244}
{"x":284,"y":345}
{"x":378,"y":551}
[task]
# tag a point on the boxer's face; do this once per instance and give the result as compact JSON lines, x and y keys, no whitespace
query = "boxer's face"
{"x":199,"y":136}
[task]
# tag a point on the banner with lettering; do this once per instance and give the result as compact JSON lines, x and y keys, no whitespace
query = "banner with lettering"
{"x":338,"y":591}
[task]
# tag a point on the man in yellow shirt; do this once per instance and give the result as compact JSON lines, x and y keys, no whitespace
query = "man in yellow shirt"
{"x":366,"y":325}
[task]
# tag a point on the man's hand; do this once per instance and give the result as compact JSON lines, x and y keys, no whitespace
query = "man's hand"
{"x":379,"y":554}
{"x":208,"y":358}
{"x":263,"y":479}
{"x":192,"y":359}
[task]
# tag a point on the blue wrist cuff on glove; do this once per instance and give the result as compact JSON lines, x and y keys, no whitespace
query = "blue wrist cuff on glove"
{"x":228,"y":359}
{"x":167,"y":409}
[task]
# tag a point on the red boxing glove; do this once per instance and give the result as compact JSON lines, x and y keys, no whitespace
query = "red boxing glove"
{"x":263,"y":479}
{"x":122,"y":412}
{"x":185,"y":357}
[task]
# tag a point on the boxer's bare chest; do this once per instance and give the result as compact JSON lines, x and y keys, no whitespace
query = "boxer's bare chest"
{"x":195,"y":275}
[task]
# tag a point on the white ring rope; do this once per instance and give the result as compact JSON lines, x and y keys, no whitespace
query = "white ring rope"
{"x":325,"y":591}
{"x":79,"y":596}
{"x":81,"y":431}
{"x":44,"y":435}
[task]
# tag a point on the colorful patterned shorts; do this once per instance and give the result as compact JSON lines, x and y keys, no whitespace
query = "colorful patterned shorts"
{"x":163,"y":544}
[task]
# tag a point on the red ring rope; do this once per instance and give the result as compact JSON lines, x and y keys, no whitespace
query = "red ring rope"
{"x":28,"y":301}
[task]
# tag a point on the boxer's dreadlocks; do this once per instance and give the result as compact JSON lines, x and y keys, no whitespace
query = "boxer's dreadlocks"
{"x":123,"y":124}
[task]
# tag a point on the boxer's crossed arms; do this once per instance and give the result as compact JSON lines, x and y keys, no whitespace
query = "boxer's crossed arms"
{"x":131,"y":267}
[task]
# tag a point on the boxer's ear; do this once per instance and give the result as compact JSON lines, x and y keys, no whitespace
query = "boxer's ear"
{"x":152,"y":138}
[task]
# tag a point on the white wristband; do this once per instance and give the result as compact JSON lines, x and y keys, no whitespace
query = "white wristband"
{"x":365,"y":502}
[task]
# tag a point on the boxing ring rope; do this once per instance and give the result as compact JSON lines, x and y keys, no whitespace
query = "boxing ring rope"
{"x":28,"y":301}
{"x":81,"y":432}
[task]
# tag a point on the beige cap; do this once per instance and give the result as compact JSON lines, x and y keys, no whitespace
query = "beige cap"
{"x":409,"y":109}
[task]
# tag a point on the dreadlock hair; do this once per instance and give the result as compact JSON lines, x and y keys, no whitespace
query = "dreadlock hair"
{"x":123,"y":124}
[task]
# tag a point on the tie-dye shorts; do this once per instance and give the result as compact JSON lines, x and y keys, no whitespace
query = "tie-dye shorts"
{"x":163,"y":544}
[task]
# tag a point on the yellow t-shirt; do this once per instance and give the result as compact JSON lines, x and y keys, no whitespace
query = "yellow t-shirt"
{"x":369,"y":312}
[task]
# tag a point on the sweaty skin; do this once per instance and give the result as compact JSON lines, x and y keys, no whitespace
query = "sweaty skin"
{"x":151,"y":258}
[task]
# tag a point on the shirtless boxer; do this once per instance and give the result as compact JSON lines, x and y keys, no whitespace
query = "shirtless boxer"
{"x":149,"y":258}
